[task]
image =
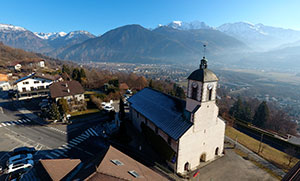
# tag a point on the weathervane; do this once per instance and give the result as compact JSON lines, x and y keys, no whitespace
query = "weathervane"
{"x":204,"y":49}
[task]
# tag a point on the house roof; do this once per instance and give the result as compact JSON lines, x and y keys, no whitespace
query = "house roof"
{"x":3,"y":77}
{"x":165,"y":111}
{"x":42,"y":76}
{"x":57,"y":169}
{"x":65,"y":88}
{"x":108,"y":170}
{"x":203,"y":75}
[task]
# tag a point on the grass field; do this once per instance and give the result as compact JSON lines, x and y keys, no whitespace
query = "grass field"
{"x":278,"y":158}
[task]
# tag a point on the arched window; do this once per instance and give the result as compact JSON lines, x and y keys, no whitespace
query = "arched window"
{"x":203,"y":157}
{"x":186,"y":166}
{"x":209,"y":94}
{"x":217,"y":151}
{"x":194,"y":93}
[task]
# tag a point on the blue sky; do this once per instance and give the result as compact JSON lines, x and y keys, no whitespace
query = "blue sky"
{"x":99,"y":16}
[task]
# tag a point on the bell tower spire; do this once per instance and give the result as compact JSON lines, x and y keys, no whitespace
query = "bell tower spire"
{"x":203,"y":62}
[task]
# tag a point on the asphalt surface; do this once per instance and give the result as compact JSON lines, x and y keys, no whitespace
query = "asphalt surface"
{"x":19,"y":127}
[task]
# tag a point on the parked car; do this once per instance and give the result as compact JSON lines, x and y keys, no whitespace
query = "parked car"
{"x":27,"y":164}
{"x":23,"y":150}
{"x":19,"y":158}
{"x":128,"y":91}
{"x":44,"y":102}
{"x":108,"y":108}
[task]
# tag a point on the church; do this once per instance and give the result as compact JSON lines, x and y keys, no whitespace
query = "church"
{"x":190,"y":127}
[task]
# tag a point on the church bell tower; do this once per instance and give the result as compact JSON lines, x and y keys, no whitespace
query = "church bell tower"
{"x":202,"y":86}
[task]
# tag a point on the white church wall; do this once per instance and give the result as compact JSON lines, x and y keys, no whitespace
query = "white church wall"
{"x":205,"y":141}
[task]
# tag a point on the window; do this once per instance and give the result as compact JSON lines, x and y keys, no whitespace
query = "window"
{"x":194,"y":93}
{"x":210,"y":94}
{"x":186,"y":166}
{"x":23,"y":89}
{"x":31,"y":88}
{"x":117,"y":162}
{"x":26,"y":82}
{"x":134,"y":173}
{"x":36,"y":82}
{"x":43,"y":81}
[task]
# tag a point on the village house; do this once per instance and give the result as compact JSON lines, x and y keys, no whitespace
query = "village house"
{"x":34,"y":85}
{"x":4,"y":86}
{"x":16,"y":66}
{"x":191,"y":128}
{"x":37,"y":63}
{"x":72,"y":91}
{"x":111,"y":165}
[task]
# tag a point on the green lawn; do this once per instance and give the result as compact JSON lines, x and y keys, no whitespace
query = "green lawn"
{"x":269,"y":153}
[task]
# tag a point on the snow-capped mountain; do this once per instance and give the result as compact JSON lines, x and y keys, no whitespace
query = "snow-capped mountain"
{"x":73,"y":34}
{"x":20,"y":37}
{"x":259,"y":35}
{"x":180,"y":25}
{"x":7,"y":28}
{"x":51,"y":36}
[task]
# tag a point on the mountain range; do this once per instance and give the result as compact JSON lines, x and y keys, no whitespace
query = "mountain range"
{"x":175,"y":42}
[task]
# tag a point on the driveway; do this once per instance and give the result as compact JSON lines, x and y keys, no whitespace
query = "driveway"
{"x":232,"y":167}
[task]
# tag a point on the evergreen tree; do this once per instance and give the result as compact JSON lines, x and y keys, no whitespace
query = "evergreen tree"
{"x":76,"y":75}
{"x":179,"y":92}
{"x":63,"y":106}
{"x":151,"y":83}
{"x":261,"y":115}
{"x":54,"y":112}
{"x":122,"y":109}
{"x":66,"y":69}
{"x":241,"y":110}
{"x":82,"y":73}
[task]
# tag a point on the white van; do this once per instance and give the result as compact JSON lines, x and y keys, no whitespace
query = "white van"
{"x":20,"y":165}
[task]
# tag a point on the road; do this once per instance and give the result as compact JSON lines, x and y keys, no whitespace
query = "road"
{"x":19,"y":127}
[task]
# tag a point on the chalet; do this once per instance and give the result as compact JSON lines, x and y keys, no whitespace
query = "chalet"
{"x":34,"y":85}
{"x":16,"y":67}
{"x":4,"y":86}
{"x":72,"y":91}
{"x":190,"y":128}
{"x":37,"y":63}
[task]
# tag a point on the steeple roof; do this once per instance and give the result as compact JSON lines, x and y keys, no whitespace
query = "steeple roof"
{"x":203,"y":74}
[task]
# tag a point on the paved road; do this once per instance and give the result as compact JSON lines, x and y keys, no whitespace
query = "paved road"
{"x":257,"y":158}
{"x":19,"y":127}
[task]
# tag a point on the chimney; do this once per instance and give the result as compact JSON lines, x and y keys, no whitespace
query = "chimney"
{"x":66,"y":85}
{"x":68,"y":90}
